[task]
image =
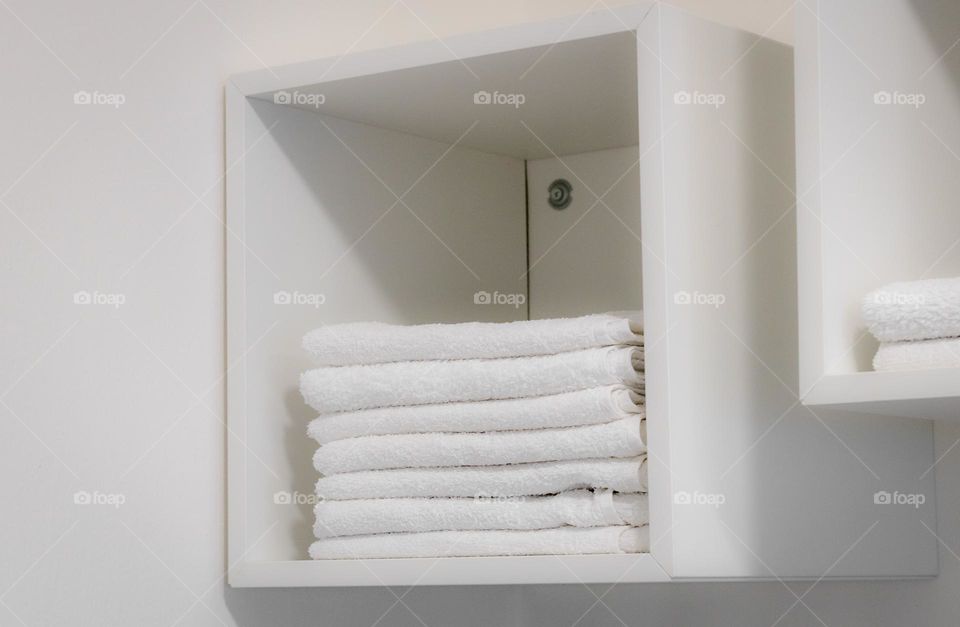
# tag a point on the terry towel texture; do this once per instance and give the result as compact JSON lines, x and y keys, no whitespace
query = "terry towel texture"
{"x":345,"y":388}
{"x":561,"y":541}
{"x":918,"y":355}
{"x":914,"y":310}
{"x":569,"y":409}
{"x":578,"y":508}
{"x":622,"y":438}
{"x":479,"y":439}
{"x":621,"y":475}
{"x":375,"y":342}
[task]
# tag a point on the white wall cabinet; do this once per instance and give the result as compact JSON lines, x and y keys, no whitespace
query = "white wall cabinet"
{"x":397,"y":184}
{"x":878,"y":147}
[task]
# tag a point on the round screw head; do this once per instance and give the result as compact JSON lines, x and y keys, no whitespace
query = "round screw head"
{"x":560,"y":194}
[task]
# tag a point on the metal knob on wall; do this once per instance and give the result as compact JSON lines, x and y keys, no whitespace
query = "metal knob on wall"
{"x":560,"y":194}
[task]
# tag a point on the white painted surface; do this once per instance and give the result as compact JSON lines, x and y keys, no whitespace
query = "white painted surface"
{"x":99,"y":573}
{"x":586,"y":258}
{"x":547,"y":87}
{"x":318,"y":218}
{"x":717,"y":211}
{"x":718,"y":205}
{"x":878,"y":158}
{"x":453,"y":571}
{"x":931,"y":394}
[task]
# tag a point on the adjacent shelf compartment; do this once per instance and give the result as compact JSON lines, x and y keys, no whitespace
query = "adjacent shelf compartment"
{"x":877,"y":163}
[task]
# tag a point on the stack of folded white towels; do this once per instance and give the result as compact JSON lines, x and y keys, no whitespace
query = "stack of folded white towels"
{"x":474,"y":439}
{"x":917,"y":323}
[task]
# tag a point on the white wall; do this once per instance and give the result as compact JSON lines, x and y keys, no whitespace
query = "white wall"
{"x":129,"y":401}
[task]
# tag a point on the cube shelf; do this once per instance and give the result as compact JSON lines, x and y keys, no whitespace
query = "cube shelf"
{"x":401,"y":184}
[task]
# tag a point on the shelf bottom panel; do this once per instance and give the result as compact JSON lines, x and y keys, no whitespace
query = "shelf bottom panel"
{"x":450,"y":571}
{"x":932,"y":394}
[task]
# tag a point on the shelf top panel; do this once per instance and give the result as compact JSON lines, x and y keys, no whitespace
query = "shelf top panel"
{"x":531,"y":91}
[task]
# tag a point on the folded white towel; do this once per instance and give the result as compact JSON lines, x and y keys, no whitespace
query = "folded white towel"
{"x":577,"y":508}
{"x":561,"y":541}
{"x":914,"y":310}
{"x":621,"y":438}
{"x":375,"y":342}
{"x":345,"y":388}
{"x":622,"y":475}
{"x":569,"y":409}
{"x":918,"y":355}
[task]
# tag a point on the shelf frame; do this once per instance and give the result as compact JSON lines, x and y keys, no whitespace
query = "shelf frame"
{"x":246,"y":571}
{"x":717,"y":375}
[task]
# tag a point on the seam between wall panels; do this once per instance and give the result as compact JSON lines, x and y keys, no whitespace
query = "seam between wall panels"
{"x":244,"y":309}
{"x":821,"y":357}
{"x":526,"y":213}
{"x":666,"y":278}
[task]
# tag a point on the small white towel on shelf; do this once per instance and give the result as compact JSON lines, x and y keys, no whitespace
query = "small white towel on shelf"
{"x":577,"y":508}
{"x":914,"y":310}
{"x":346,"y":388}
{"x":917,"y":355}
{"x":621,"y":438}
{"x":569,"y":409}
{"x":561,"y":541}
{"x":375,"y":342}
{"x":621,"y":475}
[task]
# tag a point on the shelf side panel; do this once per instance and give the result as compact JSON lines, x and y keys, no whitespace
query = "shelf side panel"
{"x":762,"y":486}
